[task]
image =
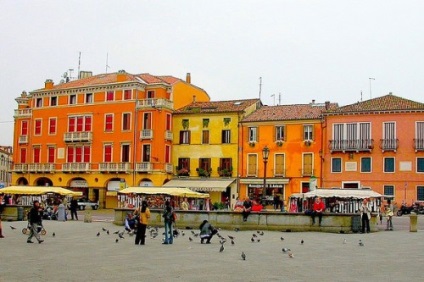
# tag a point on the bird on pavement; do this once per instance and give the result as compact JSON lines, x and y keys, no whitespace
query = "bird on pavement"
{"x":222,"y":248}
{"x":121,"y":236}
{"x":361,"y":243}
{"x":281,"y":238}
{"x":231,"y":237}
{"x":257,"y":231}
{"x":291,"y":255}
{"x":12,"y":227}
{"x":232,"y":242}
{"x":285,"y":250}
{"x":253,"y":239}
{"x":98,"y":234}
{"x":344,"y":241}
{"x":236,"y":229}
{"x":53,"y":234}
{"x":243,"y":256}
{"x":182,"y":233}
{"x":190,"y":239}
{"x":107,"y":232}
{"x":254,"y":235}
{"x":116,"y":232}
{"x":258,"y":240}
{"x":262,"y":233}
{"x":104,"y":229}
{"x":117,"y":240}
{"x":301,"y":242}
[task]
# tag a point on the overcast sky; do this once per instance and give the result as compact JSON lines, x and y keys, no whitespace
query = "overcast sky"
{"x":316,"y":49}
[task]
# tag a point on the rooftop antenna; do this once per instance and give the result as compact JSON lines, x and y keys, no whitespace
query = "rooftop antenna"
{"x":273,"y":95}
{"x":260,"y":86}
{"x":279,"y":98}
{"x":79,"y":65}
{"x":361,"y":95}
{"x":107,"y":61}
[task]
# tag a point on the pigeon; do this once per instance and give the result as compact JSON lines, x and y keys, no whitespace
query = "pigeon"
{"x":254,"y":235}
{"x":222,"y":248}
{"x":117,"y":240}
{"x":232,"y":242}
{"x":104,"y":229}
{"x":190,"y":239}
{"x":98,"y":234}
{"x":285,"y":250}
{"x":253,"y":239}
{"x":53,"y":234}
{"x":361,"y":243}
{"x":301,"y":242}
{"x":121,"y":236}
{"x":116,"y":232}
{"x":13,"y":228}
{"x":262,"y":233}
{"x":344,"y":241}
{"x":258,"y":240}
{"x":107,"y":232}
{"x":243,"y":256}
{"x":192,"y":232}
{"x":291,"y":255}
{"x":231,"y":237}
{"x":196,"y":235}
{"x":236,"y":229}
{"x":282,"y":239}
{"x":257,"y":231}
{"x":182,"y":233}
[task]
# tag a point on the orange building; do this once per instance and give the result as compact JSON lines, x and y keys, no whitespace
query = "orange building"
{"x":99,"y":134}
{"x":293,"y":135}
{"x":379,"y":144}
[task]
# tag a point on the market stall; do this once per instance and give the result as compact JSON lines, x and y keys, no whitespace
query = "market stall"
{"x":25,"y":195}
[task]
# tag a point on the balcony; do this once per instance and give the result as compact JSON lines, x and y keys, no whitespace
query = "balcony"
{"x":24,"y":113}
{"x":76,"y":167}
{"x":42,"y":168}
{"x":389,"y":144}
{"x":168,"y":135}
{"x":114,"y":167}
{"x":23,"y":139}
{"x":168,"y":168}
{"x":144,"y":167}
{"x":363,"y":145}
{"x":20,"y":168}
{"x":146,"y":134}
{"x":84,"y":136}
{"x":154,"y":103}
{"x":419,"y":145}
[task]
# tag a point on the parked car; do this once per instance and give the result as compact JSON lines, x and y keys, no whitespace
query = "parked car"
{"x":85,"y":202}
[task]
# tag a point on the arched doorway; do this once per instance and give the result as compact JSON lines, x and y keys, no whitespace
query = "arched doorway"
{"x":22,"y":181}
{"x":43,"y":181}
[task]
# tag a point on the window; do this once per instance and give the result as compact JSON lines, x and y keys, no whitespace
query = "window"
{"x":225,"y":163}
{"x":39,"y":102}
{"x":150,"y":94}
{"x":184,"y":163}
{"x":279,"y":133}
{"x":419,"y":135}
{"x":184,"y":137}
{"x":307,"y":168}
{"x":87,"y":120}
{"x":52,"y":126}
{"x":23,"y":155}
{"x":205,"y":122}
{"x":126,"y":121}
{"x":72,"y":99}
{"x":168,"y":121}
{"x":89,"y":98}
{"x":205,"y":163}
{"x":352,"y":136}
{"x":205,"y":137}
{"x":53,"y":101}
{"x":389,"y":190}
{"x":50,"y":154}
{"x":167,"y":154}
{"x":147,"y":121}
{"x":366,"y":164}
{"x":78,"y":154}
{"x":420,"y":193}
{"x":389,"y":136}
{"x":420,"y":164}
{"x":336,"y":165}
{"x":107,"y":153}
{"x":389,"y":164}
{"x":127,"y":94}
{"x":125,"y":157}
{"x":253,"y":135}
{"x":252,"y":160}
{"x":308,"y":132}
{"x":108,"y":122}
{"x":146,"y":153}
{"x":279,"y":169}
{"x":110,"y":95}
{"x":36,"y":152}
{"x":24,"y":127}
{"x":37,"y":128}
{"x":226,"y":137}
{"x":350,"y":185}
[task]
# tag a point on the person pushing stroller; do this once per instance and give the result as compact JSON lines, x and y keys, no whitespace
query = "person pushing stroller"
{"x":35,"y":218}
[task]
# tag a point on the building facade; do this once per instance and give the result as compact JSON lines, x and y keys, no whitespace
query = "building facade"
{"x":5,"y":166}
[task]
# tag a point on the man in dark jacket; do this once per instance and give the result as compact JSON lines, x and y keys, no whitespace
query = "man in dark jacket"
{"x":34,"y":218}
{"x":73,"y":208}
{"x":206,"y":232}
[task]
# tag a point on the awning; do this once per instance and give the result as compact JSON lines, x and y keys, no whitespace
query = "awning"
{"x":38,"y":190}
{"x":339,"y":193}
{"x":179,"y":192}
{"x":201,"y":184}
{"x":261,"y":181}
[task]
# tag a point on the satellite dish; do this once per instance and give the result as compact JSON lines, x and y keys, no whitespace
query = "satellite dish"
{"x":65,"y":75}
{"x":62,"y":81}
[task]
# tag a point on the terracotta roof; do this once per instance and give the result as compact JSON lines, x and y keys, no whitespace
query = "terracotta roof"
{"x":288,"y":112}
{"x":150,"y":79}
{"x":388,"y":102}
{"x":217,"y":106}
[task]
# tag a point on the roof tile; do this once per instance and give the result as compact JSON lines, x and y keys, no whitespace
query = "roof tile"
{"x":217,"y":106}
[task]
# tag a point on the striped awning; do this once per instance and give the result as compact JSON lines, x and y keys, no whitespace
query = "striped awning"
{"x":207,"y":185}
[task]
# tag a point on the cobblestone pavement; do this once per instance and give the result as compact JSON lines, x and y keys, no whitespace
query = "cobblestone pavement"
{"x":76,"y":253}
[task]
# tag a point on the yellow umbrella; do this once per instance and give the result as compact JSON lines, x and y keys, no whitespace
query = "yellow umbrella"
{"x":38,"y":190}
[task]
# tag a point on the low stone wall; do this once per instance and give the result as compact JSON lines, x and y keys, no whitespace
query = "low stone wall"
{"x":332,"y":222}
{"x":15,"y":212}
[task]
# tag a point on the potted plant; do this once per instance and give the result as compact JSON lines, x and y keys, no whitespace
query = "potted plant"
{"x":225,"y":172}
{"x":279,"y":143}
{"x":308,"y":142}
{"x":203,"y":172}
{"x":252,"y":143}
{"x":183,"y":172}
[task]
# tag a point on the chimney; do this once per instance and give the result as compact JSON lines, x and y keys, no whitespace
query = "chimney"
{"x":327,"y":105}
{"x":188,"y":78}
{"x":48,"y":84}
{"x":121,"y":76}
{"x":194,"y":98}
{"x":313,"y":101}
{"x":85,"y":74}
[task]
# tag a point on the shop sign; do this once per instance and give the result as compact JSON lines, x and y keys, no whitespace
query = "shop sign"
{"x":79,"y":183}
{"x":268,"y":185}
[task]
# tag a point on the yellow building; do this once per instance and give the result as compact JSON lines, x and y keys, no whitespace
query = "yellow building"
{"x":206,"y":145}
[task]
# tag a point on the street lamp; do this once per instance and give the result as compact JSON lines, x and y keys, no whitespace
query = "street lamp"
{"x":265,"y":155}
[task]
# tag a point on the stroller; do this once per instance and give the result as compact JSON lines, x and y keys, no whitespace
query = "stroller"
{"x":40,"y":229}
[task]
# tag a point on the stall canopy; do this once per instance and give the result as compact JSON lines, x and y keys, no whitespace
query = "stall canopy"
{"x":180,"y":192}
{"x":38,"y":190}
{"x":201,"y":185}
{"x":339,"y":193}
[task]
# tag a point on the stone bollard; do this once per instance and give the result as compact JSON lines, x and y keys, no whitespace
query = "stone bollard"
{"x":413,"y":222}
{"x":87,"y":216}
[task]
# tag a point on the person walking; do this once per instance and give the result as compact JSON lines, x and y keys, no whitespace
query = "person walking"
{"x":35,"y":217}
{"x":74,"y":207}
{"x":169,"y":220}
{"x":2,"y":205}
{"x":365,"y":212}
{"x":144,"y":215}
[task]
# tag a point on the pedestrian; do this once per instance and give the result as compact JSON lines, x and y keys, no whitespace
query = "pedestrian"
{"x":365,"y":211}
{"x":389,"y":215}
{"x":247,"y":208}
{"x":74,"y":208}
{"x":276,"y":201}
{"x":206,"y":232}
{"x":144,"y":215}
{"x":2,"y":205}
{"x":317,"y":210}
{"x":169,"y":220}
{"x":35,"y":217}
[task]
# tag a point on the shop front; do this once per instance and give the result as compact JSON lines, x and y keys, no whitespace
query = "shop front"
{"x":274,"y":192}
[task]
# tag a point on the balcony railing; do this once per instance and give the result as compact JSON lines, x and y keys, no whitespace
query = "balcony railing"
{"x":114,"y":167}
{"x":351,"y":145}
{"x":20,"y":168}
{"x":155,"y":103}
{"x":168,"y":168}
{"x":168,"y":135}
{"x":41,"y":168}
{"x":144,"y":167}
{"x":389,"y":144}
{"x":76,"y":167}
{"x":23,"y":113}
{"x":23,"y":139}
{"x":146,"y":134}
{"x":419,"y":145}
{"x":84,"y":136}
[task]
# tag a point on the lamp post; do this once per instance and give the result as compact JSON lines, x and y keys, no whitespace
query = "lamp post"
{"x":265,"y":155}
